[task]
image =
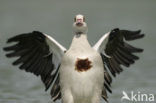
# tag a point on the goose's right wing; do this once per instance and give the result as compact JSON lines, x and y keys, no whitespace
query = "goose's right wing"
{"x":115,"y":51}
{"x":39,"y":54}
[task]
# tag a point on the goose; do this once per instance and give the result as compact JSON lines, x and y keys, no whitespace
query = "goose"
{"x":81,"y":74}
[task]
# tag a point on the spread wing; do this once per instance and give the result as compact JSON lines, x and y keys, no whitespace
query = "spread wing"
{"x":115,"y":51}
{"x":39,"y":54}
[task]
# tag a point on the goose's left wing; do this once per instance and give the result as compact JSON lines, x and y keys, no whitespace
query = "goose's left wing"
{"x":39,"y":54}
{"x":115,"y":51}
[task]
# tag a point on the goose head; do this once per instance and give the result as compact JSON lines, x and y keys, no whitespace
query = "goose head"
{"x":79,"y":25}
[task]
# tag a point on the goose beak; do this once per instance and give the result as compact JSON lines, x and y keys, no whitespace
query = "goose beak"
{"x":79,"y":22}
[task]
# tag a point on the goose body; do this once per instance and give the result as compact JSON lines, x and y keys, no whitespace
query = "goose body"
{"x":83,"y":86}
{"x":82,"y":73}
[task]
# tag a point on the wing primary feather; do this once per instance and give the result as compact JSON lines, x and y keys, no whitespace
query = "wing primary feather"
{"x":111,"y":69}
{"x":134,"y":37}
{"x":37,"y":68}
{"x":107,"y":87}
{"x":43,"y":75}
{"x":52,"y":78}
{"x":34,"y":66}
{"x":104,"y":95}
{"x":108,"y":64}
{"x":107,"y":78}
{"x":58,"y":96}
{"x":50,"y":65}
{"x":129,"y":60}
{"x":16,"y":54}
{"x":114,"y":68}
{"x":125,"y":52}
{"x":43,"y":64}
{"x":10,"y":48}
{"x":26,"y":57}
{"x":18,"y":37}
{"x":124,"y":60}
{"x":131,"y":35}
{"x":55,"y":91}
{"x":132,"y":49}
{"x":55,"y":88}
{"x":120,"y":61}
{"x":116,"y":65}
{"x":27,"y":64}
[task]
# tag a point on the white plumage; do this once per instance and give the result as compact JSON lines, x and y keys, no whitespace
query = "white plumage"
{"x":81,"y":87}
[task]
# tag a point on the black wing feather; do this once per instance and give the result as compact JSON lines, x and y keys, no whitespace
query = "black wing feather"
{"x":34,"y":56}
{"x":121,"y":53}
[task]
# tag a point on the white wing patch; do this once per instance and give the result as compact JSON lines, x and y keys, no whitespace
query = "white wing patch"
{"x":101,"y":44}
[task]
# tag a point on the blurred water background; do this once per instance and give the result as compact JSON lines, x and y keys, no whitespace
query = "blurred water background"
{"x":55,"y":17}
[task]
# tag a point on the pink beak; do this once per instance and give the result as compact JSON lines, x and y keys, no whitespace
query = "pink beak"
{"x":79,"y":20}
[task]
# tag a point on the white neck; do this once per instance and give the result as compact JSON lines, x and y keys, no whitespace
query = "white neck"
{"x":80,"y":42}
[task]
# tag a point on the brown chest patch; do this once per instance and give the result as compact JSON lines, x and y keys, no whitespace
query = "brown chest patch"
{"x":82,"y":64}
